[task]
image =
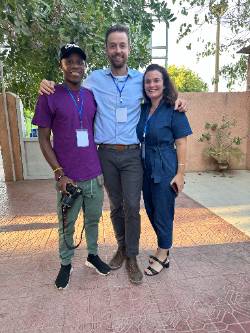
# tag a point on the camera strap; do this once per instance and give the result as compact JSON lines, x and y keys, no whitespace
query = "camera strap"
{"x":64,"y":220}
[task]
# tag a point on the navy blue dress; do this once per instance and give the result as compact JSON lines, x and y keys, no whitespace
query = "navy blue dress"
{"x":160,"y":166}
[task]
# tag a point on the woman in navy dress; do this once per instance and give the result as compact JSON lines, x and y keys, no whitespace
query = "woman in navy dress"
{"x":163,"y":133}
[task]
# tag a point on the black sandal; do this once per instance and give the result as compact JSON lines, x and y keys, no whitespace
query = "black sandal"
{"x":153,"y":257}
{"x":164,"y":264}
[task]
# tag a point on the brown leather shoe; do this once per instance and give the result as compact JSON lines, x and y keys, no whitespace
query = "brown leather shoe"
{"x":118,"y":258}
{"x":134,"y":273}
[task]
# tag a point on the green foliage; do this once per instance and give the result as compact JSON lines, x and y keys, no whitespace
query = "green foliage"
{"x":235,"y":16}
{"x":218,"y":9}
{"x":186,"y":80}
{"x":222,"y":145}
{"x":28,"y":115}
{"x":33,"y":31}
{"x":234,"y":72}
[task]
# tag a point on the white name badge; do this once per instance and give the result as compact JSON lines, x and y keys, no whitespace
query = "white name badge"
{"x":82,"y":137}
{"x":121,"y":115}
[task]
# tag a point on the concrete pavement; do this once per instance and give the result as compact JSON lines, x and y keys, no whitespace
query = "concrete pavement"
{"x":225,"y":194}
{"x":206,"y":288}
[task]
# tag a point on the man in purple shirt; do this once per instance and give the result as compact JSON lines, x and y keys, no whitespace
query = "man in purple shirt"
{"x":69,"y":114}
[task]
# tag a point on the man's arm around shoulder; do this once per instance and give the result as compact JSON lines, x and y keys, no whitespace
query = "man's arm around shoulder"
{"x":46,"y":87}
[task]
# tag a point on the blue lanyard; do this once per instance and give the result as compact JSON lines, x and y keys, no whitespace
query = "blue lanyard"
{"x":117,"y":86}
{"x":79,"y":109}
{"x":146,"y":126}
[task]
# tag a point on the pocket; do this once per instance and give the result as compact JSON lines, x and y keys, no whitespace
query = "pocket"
{"x":100,"y":180}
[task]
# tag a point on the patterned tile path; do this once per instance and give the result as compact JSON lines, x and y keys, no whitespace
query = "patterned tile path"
{"x":206,"y":288}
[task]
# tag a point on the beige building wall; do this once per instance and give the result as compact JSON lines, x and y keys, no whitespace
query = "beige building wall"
{"x":210,"y":107}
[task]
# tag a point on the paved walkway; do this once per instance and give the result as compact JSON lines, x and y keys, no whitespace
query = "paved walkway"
{"x":227,"y":195}
{"x":206,"y":288}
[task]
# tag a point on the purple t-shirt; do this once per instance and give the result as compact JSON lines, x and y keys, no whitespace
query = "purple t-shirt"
{"x":59,"y":113}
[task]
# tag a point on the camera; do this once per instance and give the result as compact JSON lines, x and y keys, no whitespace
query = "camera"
{"x":69,"y":198}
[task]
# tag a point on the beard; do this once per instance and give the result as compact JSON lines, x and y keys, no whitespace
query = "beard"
{"x":118,"y":64}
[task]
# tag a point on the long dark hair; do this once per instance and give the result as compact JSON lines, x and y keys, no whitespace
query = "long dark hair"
{"x":170,"y":94}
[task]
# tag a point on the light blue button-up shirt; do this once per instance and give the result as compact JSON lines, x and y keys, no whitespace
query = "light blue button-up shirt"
{"x":107,"y":96}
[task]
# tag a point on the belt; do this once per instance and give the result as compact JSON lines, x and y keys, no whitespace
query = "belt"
{"x":118,"y":147}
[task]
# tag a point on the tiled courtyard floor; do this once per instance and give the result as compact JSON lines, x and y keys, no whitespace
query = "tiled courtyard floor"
{"x":206,"y":288}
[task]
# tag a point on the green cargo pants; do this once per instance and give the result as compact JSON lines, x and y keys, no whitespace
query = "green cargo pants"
{"x":91,"y":202}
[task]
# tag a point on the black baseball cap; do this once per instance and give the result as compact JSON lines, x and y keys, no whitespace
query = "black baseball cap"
{"x":71,"y":48}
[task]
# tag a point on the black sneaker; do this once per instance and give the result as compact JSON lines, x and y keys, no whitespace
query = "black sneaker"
{"x":94,"y":261}
{"x":63,"y":276}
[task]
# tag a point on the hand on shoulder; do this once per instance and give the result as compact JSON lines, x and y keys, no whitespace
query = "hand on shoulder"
{"x":46,"y":87}
{"x":181,"y":105}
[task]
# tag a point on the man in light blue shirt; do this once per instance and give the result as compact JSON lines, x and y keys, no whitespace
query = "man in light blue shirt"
{"x":107,"y":96}
{"x":118,"y":93}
